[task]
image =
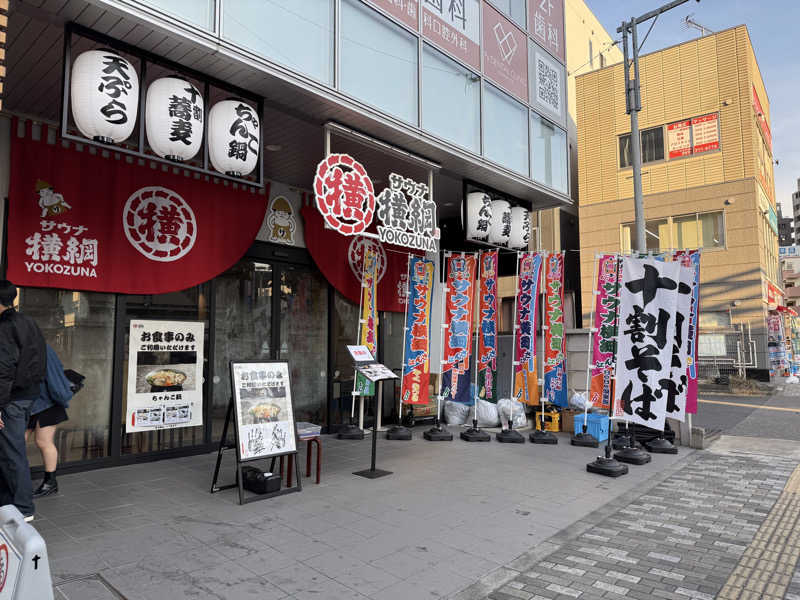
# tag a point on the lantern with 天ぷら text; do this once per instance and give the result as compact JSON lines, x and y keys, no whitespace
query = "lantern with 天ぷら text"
{"x":233,"y":137}
{"x":104,"y":96}
{"x":500,"y":228}
{"x":479,"y":216}
{"x":174,"y":118}
{"x":520,"y":228}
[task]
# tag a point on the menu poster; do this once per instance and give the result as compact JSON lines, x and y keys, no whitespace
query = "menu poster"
{"x":376,"y":372}
{"x":679,"y":140}
{"x":263,"y":409}
{"x":165,"y":375}
{"x":705,"y":133}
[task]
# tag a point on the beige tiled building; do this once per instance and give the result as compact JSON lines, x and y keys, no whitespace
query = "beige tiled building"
{"x":707,"y":172}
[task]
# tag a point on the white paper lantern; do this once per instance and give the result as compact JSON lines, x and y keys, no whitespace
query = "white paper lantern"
{"x":479,"y":216}
{"x":500,"y":229}
{"x":104,"y":96}
{"x":174,"y":118}
{"x":234,"y":137}
{"x":520,"y":228}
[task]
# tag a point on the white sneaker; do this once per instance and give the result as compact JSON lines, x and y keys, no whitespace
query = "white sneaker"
{"x":28,"y":518}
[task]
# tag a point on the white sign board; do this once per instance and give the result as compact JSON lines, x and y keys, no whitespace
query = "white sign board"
{"x":165,"y":375}
{"x":360,"y":353}
{"x":376,"y":372}
{"x":263,"y":406}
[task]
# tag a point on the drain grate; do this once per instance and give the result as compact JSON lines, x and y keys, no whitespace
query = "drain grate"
{"x":89,"y":586}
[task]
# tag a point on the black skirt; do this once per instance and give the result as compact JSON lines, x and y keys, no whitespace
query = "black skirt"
{"x":50,"y":416}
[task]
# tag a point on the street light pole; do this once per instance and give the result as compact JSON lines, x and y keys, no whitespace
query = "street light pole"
{"x":633,"y":104}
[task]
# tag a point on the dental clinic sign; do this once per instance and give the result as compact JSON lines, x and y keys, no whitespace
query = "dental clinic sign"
{"x":344,"y":196}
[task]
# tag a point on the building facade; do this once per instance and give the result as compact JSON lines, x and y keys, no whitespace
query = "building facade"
{"x":785,"y":229}
{"x":796,"y":213}
{"x":707,"y":174}
{"x":470,"y":96}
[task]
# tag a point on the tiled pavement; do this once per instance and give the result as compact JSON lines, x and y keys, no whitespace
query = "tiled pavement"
{"x":450,"y":514}
{"x":723,"y":526}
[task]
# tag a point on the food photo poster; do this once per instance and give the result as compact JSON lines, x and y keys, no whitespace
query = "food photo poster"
{"x":165,"y":375}
{"x":263,"y":405}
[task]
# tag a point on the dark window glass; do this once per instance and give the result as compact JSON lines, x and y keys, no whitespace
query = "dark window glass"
{"x":652,"y":147}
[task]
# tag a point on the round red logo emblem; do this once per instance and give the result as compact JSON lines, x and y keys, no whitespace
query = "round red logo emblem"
{"x":159,"y":224}
{"x":355,"y":256}
{"x":3,"y":566}
{"x":344,"y":194}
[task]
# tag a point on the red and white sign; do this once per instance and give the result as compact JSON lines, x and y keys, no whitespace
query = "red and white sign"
{"x":406,"y":11}
{"x":546,"y":24}
{"x":455,"y":28}
{"x":505,"y":53}
{"x":774,"y":294}
{"x":705,"y":133}
{"x":340,"y":259}
{"x":344,"y":194}
{"x":761,"y":118}
{"x":79,"y":221}
{"x":679,"y":139}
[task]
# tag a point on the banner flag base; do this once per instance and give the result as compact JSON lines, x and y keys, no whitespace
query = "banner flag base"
{"x":350,"y":432}
{"x":633,"y":456}
{"x":661,"y":446}
{"x":398,"y":432}
{"x":542,"y":437}
{"x":607,"y":466}
{"x":473,"y":434}
{"x":509,"y":436}
{"x":585,"y":440}
{"x":372,"y":473}
{"x":438,"y":433}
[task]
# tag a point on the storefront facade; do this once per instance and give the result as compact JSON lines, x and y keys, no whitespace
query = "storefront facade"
{"x":251,"y":275}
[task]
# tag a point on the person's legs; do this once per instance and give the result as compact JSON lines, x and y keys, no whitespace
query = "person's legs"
{"x":44,"y":441}
{"x":13,"y":457}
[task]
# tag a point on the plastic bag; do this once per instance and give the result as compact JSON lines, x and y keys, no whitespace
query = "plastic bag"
{"x":793,"y":379}
{"x":455,"y":413}
{"x":487,"y":414}
{"x":516,"y":409}
{"x":578,"y":401}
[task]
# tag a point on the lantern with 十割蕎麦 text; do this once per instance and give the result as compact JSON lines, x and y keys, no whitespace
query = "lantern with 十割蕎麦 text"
{"x":500,"y":228}
{"x":233,"y":137}
{"x":174,"y":118}
{"x":104,"y":95}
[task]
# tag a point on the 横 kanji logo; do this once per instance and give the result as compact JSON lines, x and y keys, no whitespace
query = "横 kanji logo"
{"x":344,"y":194}
{"x":159,"y":224}
{"x":355,"y":256}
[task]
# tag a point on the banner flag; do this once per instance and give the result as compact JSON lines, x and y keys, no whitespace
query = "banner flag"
{"x":776,"y":344}
{"x":795,"y":328}
{"x":526,"y":377}
{"x":368,"y":329}
{"x":691,"y":258}
{"x":416,"y":370}
{"x":555,"y":342}
{"x":458,"y":334}
{"x":648,"y":301}
{"x":677,"y":386}
{"x":604,"y":342}
{"x":487,"y":327}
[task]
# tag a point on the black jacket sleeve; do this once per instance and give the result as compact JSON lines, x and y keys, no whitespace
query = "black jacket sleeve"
{"x":9,"y":358}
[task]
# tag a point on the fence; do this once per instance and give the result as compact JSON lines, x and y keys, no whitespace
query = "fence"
{"x":729,"y":352}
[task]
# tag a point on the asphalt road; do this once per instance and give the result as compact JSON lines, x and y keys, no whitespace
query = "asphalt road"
{"x":774,"y":417}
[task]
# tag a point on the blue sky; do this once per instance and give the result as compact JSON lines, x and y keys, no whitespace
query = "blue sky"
{"x":773,"y":31}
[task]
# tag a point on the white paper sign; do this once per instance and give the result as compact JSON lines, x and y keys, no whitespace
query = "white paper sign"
{"x":263,"y":404}
{"x":648,"y":302}
{"x":360,"y":353}
{"x":165,"y":375}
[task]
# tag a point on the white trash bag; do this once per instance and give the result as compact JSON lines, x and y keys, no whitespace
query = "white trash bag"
{"x":578,"y":401}
{"x":455,"y":413}
{"x":516,"y":410}
{"x":487,"y":414}
{"x":793,"y":379}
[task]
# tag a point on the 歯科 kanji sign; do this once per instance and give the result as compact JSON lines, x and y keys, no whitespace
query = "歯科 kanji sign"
{"x":555,"y":342}
{"x":454,"y":26}
{"x":406,"y":11}
{"x":546,"y":24}
{"x":458,"y":333}
{"x":416,"y":357}
{"x":79,"y":221}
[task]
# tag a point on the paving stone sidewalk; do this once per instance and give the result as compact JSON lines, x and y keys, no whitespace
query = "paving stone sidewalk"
{"x":683,"y":538}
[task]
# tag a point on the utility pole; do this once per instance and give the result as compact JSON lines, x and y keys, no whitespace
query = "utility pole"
{"x":633,"y":104}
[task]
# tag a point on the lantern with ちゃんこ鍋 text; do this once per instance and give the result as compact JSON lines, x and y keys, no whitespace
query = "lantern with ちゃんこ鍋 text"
{"x":479,"y":216}
{"x":520,"y":228}
{"x":104,"y":95}
{"x":233,"y":137}
{"x":500,"y":226}
{"x":174,"y":118}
